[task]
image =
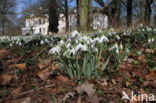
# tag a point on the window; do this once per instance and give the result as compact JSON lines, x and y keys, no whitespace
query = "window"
{"x":40,"y":30}
{"x":40,"y":21}
{"x":43,"y":29}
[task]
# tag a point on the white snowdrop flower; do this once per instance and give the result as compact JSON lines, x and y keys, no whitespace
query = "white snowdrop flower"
{"x":149,"y":40}
{"x":117,"y":37}
{"x":104,"y":38}
{"x":149,"y":29}
{"x":91,"y":40}
{"x":72,"y":51}
{"x":46,"y":40}
{"x":75,"y":34}
{"x":68,"y":45}
{"x":110,"y":34}
{"x":95,"y":49}
{"x":61,"y":42}
{"x":141,"y":25}
{"x":121,"y":46}
{"x":20,"y":44}
{"x":100,"y":40}
{"x":55,"y":50}
{"x":42,"y":42}
{"x":152,"y":39}
{"x":82,"y":47}
{"x":76,"y":41}
{"x":124,"y":33}
{"x":115,"y":46}
{"x":10,"y":44}
{"x":117,"y":50}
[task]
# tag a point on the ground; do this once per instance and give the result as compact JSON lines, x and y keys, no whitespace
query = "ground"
{"x":41,"y":83}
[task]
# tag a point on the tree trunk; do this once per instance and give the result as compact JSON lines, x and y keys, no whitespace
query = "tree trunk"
{"x":78,"y":20}
{"x":84,"y":7}
{"x":66,"y":15}
{"x":114,"y":13}
{"x":148,"y":11}
{"x":129,"y":12}
{"x":53,"y":17}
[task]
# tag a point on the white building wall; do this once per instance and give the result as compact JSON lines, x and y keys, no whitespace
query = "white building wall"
{"x":34,"y":26}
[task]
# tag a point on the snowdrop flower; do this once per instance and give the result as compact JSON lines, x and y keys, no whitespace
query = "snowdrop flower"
{"x":61,"y":42}
{"x":19,"y":43}
{"x":46,"y":40}
{"x":117,"y":37}
{"x":55,"y":50}
{"x":152,"y":39}
{"x":91,"y":40}
{"x":115,"y":46}
{"x":72,"y":51}
{"x":125,"y":33}
{"x":10,"y":44}
{"x":105,"y":38}
{"x":68,"y":45}
{"x":110,"y":34}
{"x":117,"y":50}
{"x":121,"y":46}
{"x":82,"y":47}
{"x":42,"y":42}
{"x":149,"y":29}
{"x":95,"y":49}
{"x":141,"y":25}
{"x":75,"y":34}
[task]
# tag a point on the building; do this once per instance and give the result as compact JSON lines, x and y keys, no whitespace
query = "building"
{"x":39,"y":24}
{"x":36,"y":25}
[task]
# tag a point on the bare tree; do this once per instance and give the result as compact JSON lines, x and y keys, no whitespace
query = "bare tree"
{"x":84,"y":10}
{"x":129,"y":12}
{"x":6,"y":10}
{"x":53,"y":16}
{"x":148,"y":11}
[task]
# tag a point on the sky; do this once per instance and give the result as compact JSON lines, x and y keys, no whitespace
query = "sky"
{"x":21,"y":5}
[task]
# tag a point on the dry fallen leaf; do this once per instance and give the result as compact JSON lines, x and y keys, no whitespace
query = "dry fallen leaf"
{"x":149,"y":50}
{"x":150,"y":75}
{"x":102,"y":82}
{"x":93,"y":99}
{"x":20,"y":66}
{"x":6,"y":78}
{"x":114,"y":81}
{"x":86,"y":87}
{"x":65,"y":80}
{"x":16,"y":91}
{"x":26,"y":100}
{"x":44,"y":74}
{"x":79,"y":99}
{"x":54,"y":66}
{"x":142,"y":57}
{"x":68,"y":95}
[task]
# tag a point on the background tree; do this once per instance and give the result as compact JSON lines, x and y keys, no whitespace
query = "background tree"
{"x":83,"y":12}
{"x":129,"y":12}
{"x":53,"y":16}
{"x":148,"y":11}
{"x":6,"y":12}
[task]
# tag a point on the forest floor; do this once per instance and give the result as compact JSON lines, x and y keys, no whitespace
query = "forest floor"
{"x":41,"y":83}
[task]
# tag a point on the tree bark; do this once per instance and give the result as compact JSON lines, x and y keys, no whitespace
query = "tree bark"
{"x":84,"y":7}
{"x":78,"y":19}
{"x":53,"y":16}
{"x":129,"y":12}
{"x":148,"y":11}
{"x":66,"y":15}
{"x":114,"y":13}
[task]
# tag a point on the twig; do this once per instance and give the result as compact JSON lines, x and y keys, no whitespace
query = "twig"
{"x":30,"y":91}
